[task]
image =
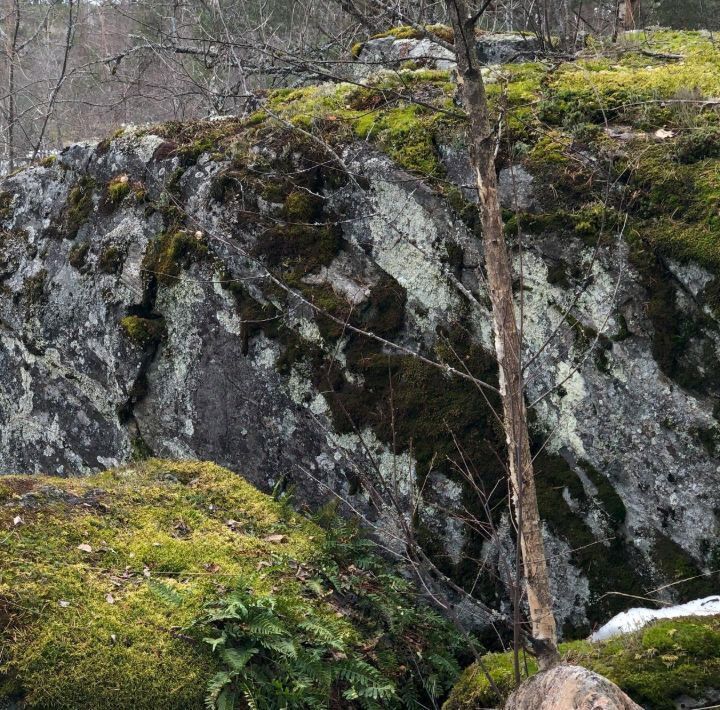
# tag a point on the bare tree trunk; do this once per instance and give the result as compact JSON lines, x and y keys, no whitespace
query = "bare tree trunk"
{"x":507,"y":339}
{"x":12,"y":104}
{"x":628,"y":14}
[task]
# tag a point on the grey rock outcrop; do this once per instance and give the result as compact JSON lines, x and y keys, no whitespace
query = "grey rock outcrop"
{"x":104,"y":354}
{"x":392,"y":52}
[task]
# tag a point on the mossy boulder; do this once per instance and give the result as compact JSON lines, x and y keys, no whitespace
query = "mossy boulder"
{"x":654,"y":666}
{"x":106,"y":580}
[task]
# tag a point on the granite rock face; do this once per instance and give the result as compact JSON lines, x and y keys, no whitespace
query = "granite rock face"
{"x":127,"y":330}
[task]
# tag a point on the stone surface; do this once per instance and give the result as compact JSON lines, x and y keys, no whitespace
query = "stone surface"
{"x":77,"y":395}
{"x":391,"y":53}
{"x":569,"y":688}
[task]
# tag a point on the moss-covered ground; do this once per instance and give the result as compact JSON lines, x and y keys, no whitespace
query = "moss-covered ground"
{"x":104,"y":579}
{"x":100,"y":575}
{"x":654,"y":666}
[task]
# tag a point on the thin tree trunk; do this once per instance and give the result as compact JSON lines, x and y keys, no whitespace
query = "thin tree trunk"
{"x":12,"y":102}
{"x":61,"y":79}
{"x":628,"y":14}
{"x":507,"y":339}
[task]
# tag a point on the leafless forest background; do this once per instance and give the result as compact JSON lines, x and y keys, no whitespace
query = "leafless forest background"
{"x":74,"y":70}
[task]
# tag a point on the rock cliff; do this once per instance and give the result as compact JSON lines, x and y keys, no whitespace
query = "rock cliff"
{"x":197,"y":291}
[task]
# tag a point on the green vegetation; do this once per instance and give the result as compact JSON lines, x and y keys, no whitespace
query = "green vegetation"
{"x":653,"y":666}
{"x":190,"y":139}
{"x":405,"y":32}
{"x":111,"y":259}
{"x":34,"y":288}
{"x":110,"y":583}
{"x":117,"y":189}
{"x":78,"y":254}
{"x":144,"y":332}
{"x":615,"y":565}
{"x":632,"y":87}
{"x":275,"y":649}
{"x":382,"y":112}
{"x":79,"y":206}
{"x":170,"y":253}
{"x":6,"y":199}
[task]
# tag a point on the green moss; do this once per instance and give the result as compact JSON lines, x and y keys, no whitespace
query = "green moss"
{"x":6,"y":200}
{"x":403,"y":129}
{"x":117,"y":189}
{"x":77,"y":209}
{"x":188,"y":140}
{"x":676,"y":565}
{"x":654,"y":666}
{"x":407,"y":134}
{"x":170,"y":253}
{"x":611,"y":501}
{"x":699,"y":144}
{"x":615,"y":566}
{"x":160,"y":544}
{"x":48,"y":161}
{"x":144,"y":332}
{"x":673,"y":329}
{"x":140,"y":449}
{"x":78,"y":254}
{"x":34,"y":288}
{"x":190,"y":153}
{"x":632,"y":88}
{"x":107,"y":580}
{"x":677,"y":204}
{"x":255,"y":317}
{"x":405,"y":32}
{"x":111,"y":259}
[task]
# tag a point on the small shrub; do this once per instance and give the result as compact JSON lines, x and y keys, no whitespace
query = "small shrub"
{"x":698,"y":145}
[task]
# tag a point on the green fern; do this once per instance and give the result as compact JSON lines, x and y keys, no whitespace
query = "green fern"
{"x":353,"y":635}
{"x":169,"y":595}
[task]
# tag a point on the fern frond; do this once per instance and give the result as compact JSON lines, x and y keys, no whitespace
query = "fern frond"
{"x":165,"y":592}
{"x":238,"y":658}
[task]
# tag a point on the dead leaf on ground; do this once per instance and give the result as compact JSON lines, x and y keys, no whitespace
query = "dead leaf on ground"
{"x":276,"y":539}
{"x":84,"y":547}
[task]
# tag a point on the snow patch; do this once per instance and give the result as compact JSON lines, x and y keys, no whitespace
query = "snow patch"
{"x":636,"y":618}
